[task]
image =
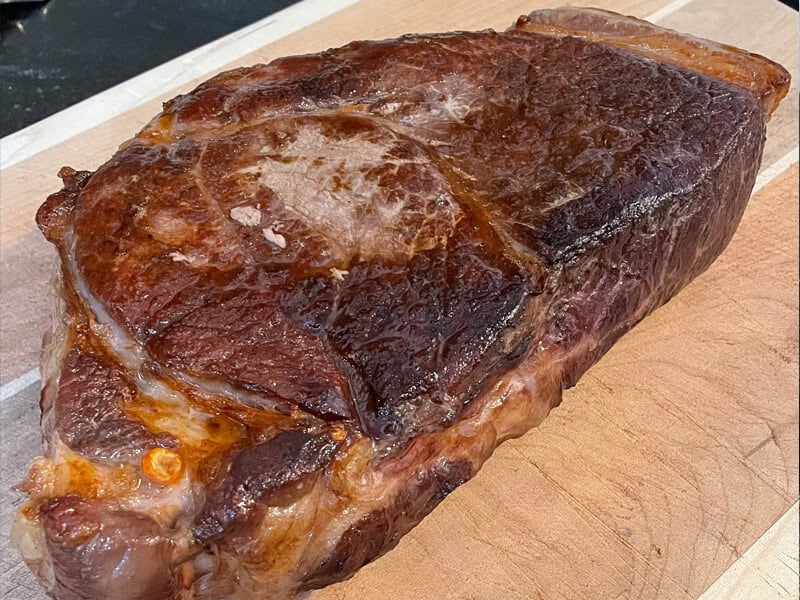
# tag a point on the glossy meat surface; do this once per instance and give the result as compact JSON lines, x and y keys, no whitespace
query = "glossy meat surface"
{"x":310,"y":298}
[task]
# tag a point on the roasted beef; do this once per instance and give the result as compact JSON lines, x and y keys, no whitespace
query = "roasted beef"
{"x":310,"y":298}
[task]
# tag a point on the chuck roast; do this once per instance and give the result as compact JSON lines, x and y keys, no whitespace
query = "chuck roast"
{"x":310,"y":298}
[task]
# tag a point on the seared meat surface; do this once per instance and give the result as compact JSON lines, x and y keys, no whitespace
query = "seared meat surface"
{"x":310,"y":298}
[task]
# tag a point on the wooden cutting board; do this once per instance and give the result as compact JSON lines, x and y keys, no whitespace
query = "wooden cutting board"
{"x":670,"y":458}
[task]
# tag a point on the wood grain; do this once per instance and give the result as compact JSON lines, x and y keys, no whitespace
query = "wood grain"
{"x":659,"y":470}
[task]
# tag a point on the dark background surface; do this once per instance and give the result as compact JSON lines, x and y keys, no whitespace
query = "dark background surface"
{"x":54,"y":54}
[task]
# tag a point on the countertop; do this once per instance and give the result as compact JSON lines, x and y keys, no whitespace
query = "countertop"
{"x":56,"y":53}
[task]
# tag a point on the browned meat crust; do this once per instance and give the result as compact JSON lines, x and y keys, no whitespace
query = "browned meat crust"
{"x":310,"y":298}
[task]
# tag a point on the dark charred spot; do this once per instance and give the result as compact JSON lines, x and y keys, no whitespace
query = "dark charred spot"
{"x":338,"y":184}
{"x":419,"y":342}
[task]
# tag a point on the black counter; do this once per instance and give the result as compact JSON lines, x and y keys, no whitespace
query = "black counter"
{"x":54,"y":54}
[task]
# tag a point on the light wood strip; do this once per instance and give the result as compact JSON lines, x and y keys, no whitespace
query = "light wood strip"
{"x":19,"y":384}
{"x":666,"y":10}
{"x":775,"y":169}
{"x":769,"y":569}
